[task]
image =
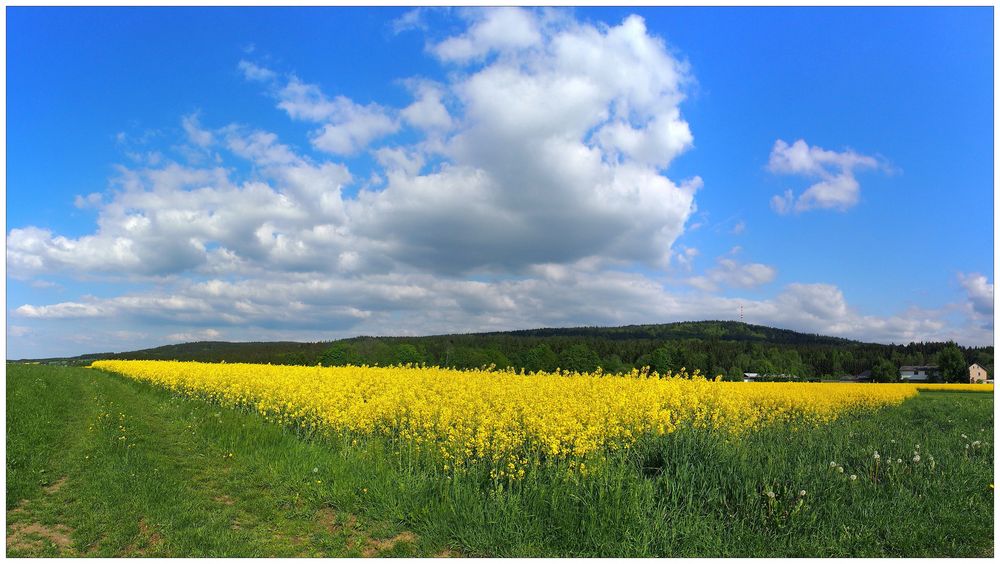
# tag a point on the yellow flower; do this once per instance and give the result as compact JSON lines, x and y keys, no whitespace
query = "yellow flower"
{"x":495,"y":417}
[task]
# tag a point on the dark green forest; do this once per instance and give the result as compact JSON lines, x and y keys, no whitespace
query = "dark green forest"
{"x":726,"y":348}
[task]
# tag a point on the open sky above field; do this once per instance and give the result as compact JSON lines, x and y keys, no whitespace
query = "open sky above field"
{"x":316,"y":173}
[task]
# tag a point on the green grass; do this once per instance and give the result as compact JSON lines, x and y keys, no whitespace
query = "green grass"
{"x":192,"y":479}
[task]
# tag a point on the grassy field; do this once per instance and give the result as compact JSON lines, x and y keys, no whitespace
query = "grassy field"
{"x":99,"y":465}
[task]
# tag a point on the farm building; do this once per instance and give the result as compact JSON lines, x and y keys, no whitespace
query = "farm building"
{"x":917,"y":373}
{"x":977,"y":374}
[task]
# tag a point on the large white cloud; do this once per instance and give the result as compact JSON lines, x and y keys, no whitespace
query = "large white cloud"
{"x":529,"y":188}
{"x":979,"y":294}
{"x":557,"y":295}
{"x":554,"y":152}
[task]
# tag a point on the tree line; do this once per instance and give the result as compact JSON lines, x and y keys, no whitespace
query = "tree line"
{"x":710,"y":353}
{"x":713,"y":348}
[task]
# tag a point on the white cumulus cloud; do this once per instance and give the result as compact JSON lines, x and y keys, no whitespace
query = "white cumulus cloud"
{"x":428,"y":110}
{"x":732,"y":273}
{"x":528,"y":187}
{"x":979,"y":296}
{"x":347,"y":126}
{"x":836,"y":186}
{"x":497,"y":30}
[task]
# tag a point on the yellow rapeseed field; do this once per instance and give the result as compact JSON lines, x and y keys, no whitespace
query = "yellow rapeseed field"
{"x":503,"y":418}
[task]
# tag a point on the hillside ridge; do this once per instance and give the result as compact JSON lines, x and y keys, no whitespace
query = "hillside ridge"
{"x":714,"y":347}
{"x":652,"y":331}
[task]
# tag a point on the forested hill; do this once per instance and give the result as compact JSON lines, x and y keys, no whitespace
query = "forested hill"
{"x":713,"y":347}
{"x":704,"y":330}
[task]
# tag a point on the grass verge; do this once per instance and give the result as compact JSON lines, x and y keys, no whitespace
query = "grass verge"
{"x":104,"y":466}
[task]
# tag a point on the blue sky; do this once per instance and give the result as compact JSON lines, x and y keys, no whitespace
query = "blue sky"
{"x":257,"y":173}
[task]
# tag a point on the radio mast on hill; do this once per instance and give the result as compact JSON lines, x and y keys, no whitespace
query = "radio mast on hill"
{"x":741,"y":313}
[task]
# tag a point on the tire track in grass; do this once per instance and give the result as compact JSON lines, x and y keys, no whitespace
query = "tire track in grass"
{"x":149,"y":474}
{"x":152,"y":474}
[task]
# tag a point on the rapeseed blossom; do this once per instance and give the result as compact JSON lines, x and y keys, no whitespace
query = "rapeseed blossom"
{"x":506,"y":419}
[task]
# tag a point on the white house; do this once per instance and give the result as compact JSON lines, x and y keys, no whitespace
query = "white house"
{"x":750,"y":376}
{"x":977,"y":374}
{"x":917,"y":373}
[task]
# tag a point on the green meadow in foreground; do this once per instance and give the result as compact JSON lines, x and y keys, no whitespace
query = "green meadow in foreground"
{"x":98,"y":465}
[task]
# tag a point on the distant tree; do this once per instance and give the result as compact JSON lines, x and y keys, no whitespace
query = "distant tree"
{"x":295,"y":358}
{"x":406,"y":353}
{"x":468,"y":358}
{"x":985,"y":359}
{"x":339,"y":354}
{"x":696,"y":360}
{"x":496,"y":358}
{"x":613,"y":364}
{"x":763,"y":366}
{"x":742,"y":363}
{"x":665,"y":359}
{"x":580,"y":358}
{"x":777,"y":361}
{"x":792,"y":363}
{"x":839,"y":361}
{"x":540,"y":358}
{"x":885,"y":371}
{"x":713,"y":331}
{"x":382,"y":354}
{"x":951,"y":364}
